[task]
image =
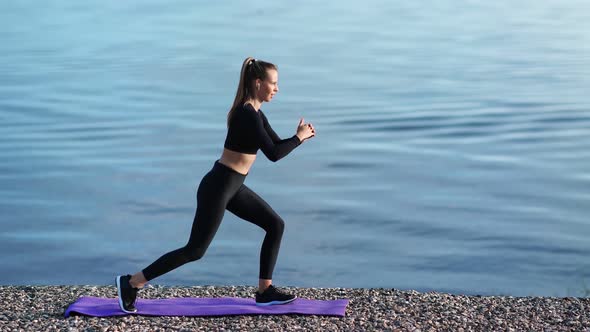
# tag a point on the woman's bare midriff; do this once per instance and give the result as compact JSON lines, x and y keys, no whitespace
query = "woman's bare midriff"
{"x":239,"y":162}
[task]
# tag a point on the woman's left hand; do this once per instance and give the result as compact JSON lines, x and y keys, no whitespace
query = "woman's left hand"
{"x":305,"y":130}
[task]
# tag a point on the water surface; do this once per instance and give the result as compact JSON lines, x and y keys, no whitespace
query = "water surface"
{"x":452,"y":149}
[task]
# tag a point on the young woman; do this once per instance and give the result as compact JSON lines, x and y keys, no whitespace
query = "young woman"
{"x":223,"y":188}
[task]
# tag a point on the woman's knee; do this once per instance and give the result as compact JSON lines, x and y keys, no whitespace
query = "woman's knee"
{"x":194,"y":253}
{"x":276,"y":226}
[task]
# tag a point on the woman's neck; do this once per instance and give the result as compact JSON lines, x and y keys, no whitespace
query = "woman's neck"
{"x":255,"y":103}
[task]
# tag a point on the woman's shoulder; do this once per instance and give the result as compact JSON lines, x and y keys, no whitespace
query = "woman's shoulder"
{"x":248,"y":110}
{"x":245,"y":115}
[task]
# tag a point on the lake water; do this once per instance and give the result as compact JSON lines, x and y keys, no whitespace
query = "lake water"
{"x":452,"y":149}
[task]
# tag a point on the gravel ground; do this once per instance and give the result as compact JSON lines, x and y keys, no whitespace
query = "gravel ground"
{"x":41,"y":308}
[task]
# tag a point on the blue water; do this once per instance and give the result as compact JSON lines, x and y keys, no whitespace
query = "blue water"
{"x":452,"y":149}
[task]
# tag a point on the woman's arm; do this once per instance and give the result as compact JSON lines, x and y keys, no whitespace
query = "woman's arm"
{"x":275,"y":138}
{"x":273,"y":147}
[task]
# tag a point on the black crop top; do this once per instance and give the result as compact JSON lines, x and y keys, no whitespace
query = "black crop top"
{"x":249,"y":131}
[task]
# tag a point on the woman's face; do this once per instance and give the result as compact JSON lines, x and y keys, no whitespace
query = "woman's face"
{"x":269,"y":87}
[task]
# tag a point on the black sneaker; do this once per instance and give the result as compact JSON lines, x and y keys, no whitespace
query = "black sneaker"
{"x":273,"y":295}
{"x":127,"y":294}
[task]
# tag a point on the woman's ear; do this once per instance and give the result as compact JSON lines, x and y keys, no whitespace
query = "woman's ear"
{"x":257,"y":83}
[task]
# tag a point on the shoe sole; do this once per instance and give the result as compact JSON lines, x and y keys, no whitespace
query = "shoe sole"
{"x":262,"y":304}
{"x":118,"y":281}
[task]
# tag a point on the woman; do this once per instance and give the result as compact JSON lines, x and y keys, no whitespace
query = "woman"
{"x":223,"y":188}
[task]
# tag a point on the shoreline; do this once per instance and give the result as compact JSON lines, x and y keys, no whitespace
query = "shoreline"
{"x":383,"y":309}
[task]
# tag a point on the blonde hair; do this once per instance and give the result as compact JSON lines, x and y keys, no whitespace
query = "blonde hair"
{"x":252,"y":69}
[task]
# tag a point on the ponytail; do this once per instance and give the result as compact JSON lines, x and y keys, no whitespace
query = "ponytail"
{"x":252,"y":69}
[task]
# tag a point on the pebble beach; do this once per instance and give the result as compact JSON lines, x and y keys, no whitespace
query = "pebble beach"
{"x":41,"y":308}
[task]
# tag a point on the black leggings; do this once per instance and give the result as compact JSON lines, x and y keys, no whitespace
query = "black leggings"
{"x":223,"y":188}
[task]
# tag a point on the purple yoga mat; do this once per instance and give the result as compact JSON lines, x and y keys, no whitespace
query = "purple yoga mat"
{"x":191,"y":306}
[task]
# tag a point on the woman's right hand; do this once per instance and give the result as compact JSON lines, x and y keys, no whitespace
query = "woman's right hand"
{"x":305,"y":130}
